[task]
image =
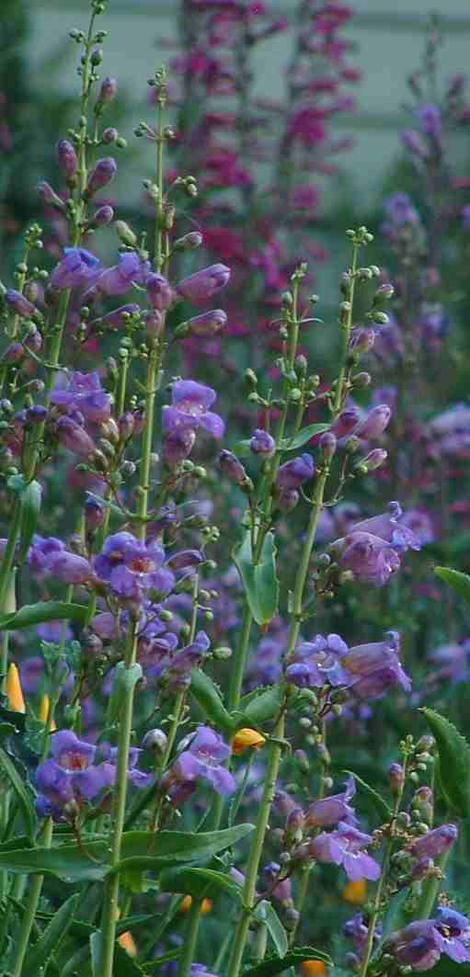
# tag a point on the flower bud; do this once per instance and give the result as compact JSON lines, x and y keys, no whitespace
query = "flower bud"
{"x":155,"y":740}
{"x":19,"y":303}
{"x":355,"y":892}
{"x":328,"y":445}
{"x":95,"y":513}
{"x":101,"y":175}
{"x":262,"y":443}
{"x":362,"y":340}
{"x":108,"y":89}
{"x":67,"y":158}
{"x":125,"y":234}
{"x":373,"y":460}
{"x":13,"y":690}
{"x":246,"y":739}
{"x":161,"y":294}
{"x":49,"y":197}
{"x":206,"y":324}
{"x":204,"y":284}
{"x":103,"y":216}
{"x":396,"y":775}
{"x":74,"y":437}
{"x":230,"y":465}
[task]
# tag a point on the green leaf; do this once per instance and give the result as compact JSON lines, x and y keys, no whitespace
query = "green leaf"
{"x":51,"y":610}
{"x":259,"y":580}
{"x":201,"y":883}
{"x":456,"y":579}
{"x":208,"y":697}
{"x":50,"y":939}
{"x":30,"y":509}
{"x":454,"y":761}
{"x":266,"y":913}
{"x":450,"y":968}
{"x":301,"y":438}
{"x":20,"y":786}
{"x":375,"y":798}
{"x":262,"y":706}
{"x":143,"y":850}
{"x":276,"y":965}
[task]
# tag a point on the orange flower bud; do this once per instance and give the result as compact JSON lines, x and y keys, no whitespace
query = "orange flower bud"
{"x":43,"y":713}
{"x":355,"y":892}
{"x":13,"y":690}
{"x":246,"y":739}
{"x":126,"y":940}
{"x":187,"y":901}
{"x":313,"y":968}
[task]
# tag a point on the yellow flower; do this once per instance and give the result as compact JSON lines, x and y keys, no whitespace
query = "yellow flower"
{"x":126,"y":940}
{"x":313,"y":968}
{"x":355,"y":892}
{"x":13,"y":690}
{"x":43,"y":713}
{"x":187,"y":901}
{"x":246,"y":739}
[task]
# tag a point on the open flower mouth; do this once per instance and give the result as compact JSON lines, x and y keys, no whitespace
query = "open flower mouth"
{"x":73,"y":761}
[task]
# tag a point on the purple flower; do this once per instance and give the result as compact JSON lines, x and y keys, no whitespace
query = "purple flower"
{"x":453,"y":662}
{"x":374,"y":424}
{"x":189,"y":410}
{"x":418,"y":945}
{"x":131,"y":270}
{"x":232,"y":467}
{"x":357,"y":930}
{"x":375,"y":668}
{"x":67,"y":158}
{"x":292,"y":474}
{"x":19,"y":303}
{"x":430,"y":120}
{"x":133,"y":568}
{"x":400,"y":211}
{"x":206,"y":324}
{"x":102,"y":174}
{"x":160,"y":292}
{"x":82,"y":392}
{"x":262,"y":443}
{"x":330,"y":810}
{"x":77,"y":269}
{"x":435,"y":842}
{"x":450,"y":432}
{"x":282,"y":891}
{"x":454,"y":929}
{"x":204,"y":284}
{"x":372,"y":548}
{"x":175,"y":670}
{"x":74,"y":437}
{"x":346,"y":846}
{"x":178,"y":445}
{"x":70,"y":775}
{"x":49,"y":557}
{"x":319,"y":662}
{"x":203,"y":760}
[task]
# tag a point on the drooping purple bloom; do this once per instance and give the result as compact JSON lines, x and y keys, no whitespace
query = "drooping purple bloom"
{"x":319,"y":662}
{"x":19,"y":303}
{"x":206,"y":324}
{"x":329,"y":810}
{"x":418,"y":945}
{"x":189,"y":410}
{"x":375,"y":668}
{"x":203,"y":760}
{"x":130,"y":270}
{"x":293,"y":474}
{"x":49,"y":557}
{"x":82,"y":392}
{"x":74,"y":437}
{"x":372,"y":548}
{"x":201,"y":286}
{"x":262,"y":443}
{"x":346,"y":846}
{"x":435,"y":842}
{"x":77,"y":269}
{"x":454,"y":929}
{"x":374,"y":423}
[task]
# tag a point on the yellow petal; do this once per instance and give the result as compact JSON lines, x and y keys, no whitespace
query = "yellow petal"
{"x":13,"y":689}
{"x":313,"y":968}
{"x":355,"y":892}
{"x":246,"y":739}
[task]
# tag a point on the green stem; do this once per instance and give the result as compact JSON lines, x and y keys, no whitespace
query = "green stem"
{"x":147,"y":438}
{"x":31,"y":905}
{"x":190,"y":939}
{"x":111,"y":892}
{"x":431,"y":889}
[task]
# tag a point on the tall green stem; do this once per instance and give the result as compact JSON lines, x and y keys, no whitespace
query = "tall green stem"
{"x":31,"y":905}
{"x":190,"y":939}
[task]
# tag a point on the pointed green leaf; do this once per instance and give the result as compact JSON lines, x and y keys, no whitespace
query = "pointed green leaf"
{"x":201,"y":883}
{"x":454,"y":761}
{"x":51,"y":610}
{"x":124,"y":681}
{"x":375,"y":798}
{"x":20,"y":786}
{"x":456,"y":579}
{"x":301,"y":438}
{"x":50,"y":939}
{"x":259,"y":580}
{"x":208,"y":697}
{"x":266,"y":913}
{"x":276,"y":965}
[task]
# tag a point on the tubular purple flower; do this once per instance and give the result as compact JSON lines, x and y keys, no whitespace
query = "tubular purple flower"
{"x":232,"y":467}
{"x":262,"y":443}
{"x":69,"y":568}
{"x":160,"y":292}
{"x":19,"y":303}
{"x":435,"y":842}
{"x":203,"y":759}
{"x":318,"y":662}
{"x":49,"y":197}
{"x":346,"y":846}
{"x":430,"y":119}
{"x":82,"y":392}
{"x":418,"y":945}
{"x":77,"y":269}
{"x":330,"y":810}
{"x":189,"y":409}
{"x":102,"y":174}
{"x":206,"y":324}
{"x":374,"y":424}
{"x":67,"y":158}
{"x":293,"y":474}
{"x":74,"y":437}
{"x":415,"y":144}
{"x":375,"y":668}
{"x":201,"y":286}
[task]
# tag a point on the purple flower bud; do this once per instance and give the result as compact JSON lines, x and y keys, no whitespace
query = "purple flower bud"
{"x":414,"y":143}
{"x":109,"y":135}
{"x":435,"y":842}
{"x":328,"y":445}
{"x":430,"y":119}
{"x":108,"y":89}
{"x":397,"y":776}
{"x":232,"y":467}
{"x":49,"y":196}
{"x":374,"y":424}
{"x":19,"y":303}
{"x":160,"y":292}
{"x":95,"y":513}
{"x":204,"y":284}
{"x":287,"y":499}
{"x":178,"y":445}
{"x":294,"y":473}
{"x":206,"y":324}
{"x":104,"y":215}
{"x":101,"y":175}
{"x":346,"y":422}
{"x":67,"y":158}
{"x":362,"y":340}
{"x":117,"y":317}
{"x":126,"y":424}
{"x":374,"y":459}
{"x":33,"y":341}
{"x":262,"y":443}
{"x":70,"y":568}
{"x":73,"y":437}
{"x":14,"y":353}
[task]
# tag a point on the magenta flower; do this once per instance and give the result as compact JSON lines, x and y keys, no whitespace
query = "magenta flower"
{"x":189,"y":409}
{"x":346,"y":846}
{"x":203,"y":760}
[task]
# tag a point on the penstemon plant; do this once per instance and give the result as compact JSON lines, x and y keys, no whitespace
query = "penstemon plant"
{"x":177,"y":703}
